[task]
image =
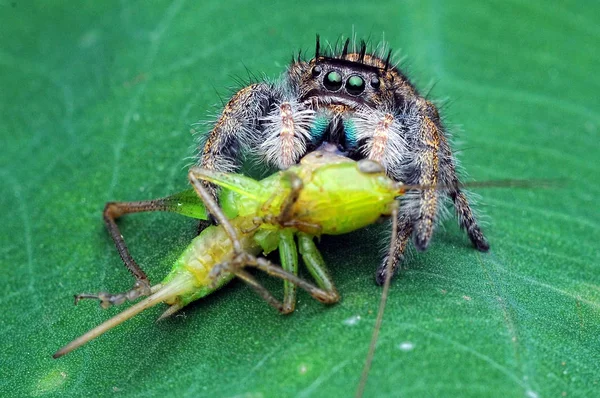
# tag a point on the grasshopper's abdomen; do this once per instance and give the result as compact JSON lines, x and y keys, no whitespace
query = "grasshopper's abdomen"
{"x":212,"y":247}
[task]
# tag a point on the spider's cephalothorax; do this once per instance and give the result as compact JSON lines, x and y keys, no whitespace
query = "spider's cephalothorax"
{"x":361,"y":102}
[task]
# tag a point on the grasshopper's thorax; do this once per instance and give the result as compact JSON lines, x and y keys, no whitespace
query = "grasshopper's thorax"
{"x":345,"y":196}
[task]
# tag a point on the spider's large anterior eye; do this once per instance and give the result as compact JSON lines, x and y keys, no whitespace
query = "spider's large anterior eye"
{"x":316,"y":71}
{"x":333,"y":81}
{"x":355,"y":85}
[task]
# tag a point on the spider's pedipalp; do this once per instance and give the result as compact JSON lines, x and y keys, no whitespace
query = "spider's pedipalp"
{"x":286,"y":134}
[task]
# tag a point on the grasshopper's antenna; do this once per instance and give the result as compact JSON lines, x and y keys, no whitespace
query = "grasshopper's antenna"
{"x":550,"y":183}
{"x":384,"y":295}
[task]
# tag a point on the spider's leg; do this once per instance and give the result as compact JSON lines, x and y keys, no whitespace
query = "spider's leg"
{"x":466,"y":219}
{"x":468,"y":222}
{"x":387,"y":140}
{"x":238,"y":127}
{"x":404,"y":232}
{"x":428,"y":143}
{"x":449,"y":179}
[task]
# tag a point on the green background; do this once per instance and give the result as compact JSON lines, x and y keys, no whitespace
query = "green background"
{"x":97,"y":103}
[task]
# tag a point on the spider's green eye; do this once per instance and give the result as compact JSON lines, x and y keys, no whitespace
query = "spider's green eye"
{"x":333,"y":81}
{"x":355,"y":85}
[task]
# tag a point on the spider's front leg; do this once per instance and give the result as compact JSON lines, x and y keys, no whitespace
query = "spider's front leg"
{"x":401,"y":143}
{"x":417,"y":216}
{"x":417,"y":151}
{"x":266,"y":118}
{"x":238,"y":127}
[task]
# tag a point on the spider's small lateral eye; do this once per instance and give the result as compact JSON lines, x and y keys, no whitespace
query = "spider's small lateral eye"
{"x":333,"y":81}
{"x":316,"y":71}
{"x":375,"y":82}
{"x":355,"y":85}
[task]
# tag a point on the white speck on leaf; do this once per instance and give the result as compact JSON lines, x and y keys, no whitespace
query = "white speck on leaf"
{"x":406,"y":346}
{"x":531,"y":394}
{"x":353,"y":320}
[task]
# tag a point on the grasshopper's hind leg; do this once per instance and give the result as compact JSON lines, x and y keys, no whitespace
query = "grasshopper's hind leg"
{"x":114,"y":210}
{"x":141,"y":287}
{"x":185,"y":203}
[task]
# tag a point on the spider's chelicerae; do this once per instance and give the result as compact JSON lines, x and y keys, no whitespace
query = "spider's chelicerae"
{"x":361,"y":102}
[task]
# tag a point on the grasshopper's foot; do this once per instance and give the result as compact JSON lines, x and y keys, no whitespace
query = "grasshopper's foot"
{"x":216,"y":273}
{"x":233,"y":266}
{"x":140,"y":288}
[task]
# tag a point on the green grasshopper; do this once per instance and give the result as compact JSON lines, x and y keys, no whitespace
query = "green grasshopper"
{"x":324,"y":194}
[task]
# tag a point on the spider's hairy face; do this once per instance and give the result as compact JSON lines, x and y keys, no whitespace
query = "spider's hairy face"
{"x":353,"y":81}
{"x":349,"y":93}
{"x":334,"y":81}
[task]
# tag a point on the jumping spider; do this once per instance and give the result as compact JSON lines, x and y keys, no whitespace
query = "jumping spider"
{"x":361,"y":102}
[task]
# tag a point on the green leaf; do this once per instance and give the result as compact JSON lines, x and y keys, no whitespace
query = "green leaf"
{"x":97,"y":103}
